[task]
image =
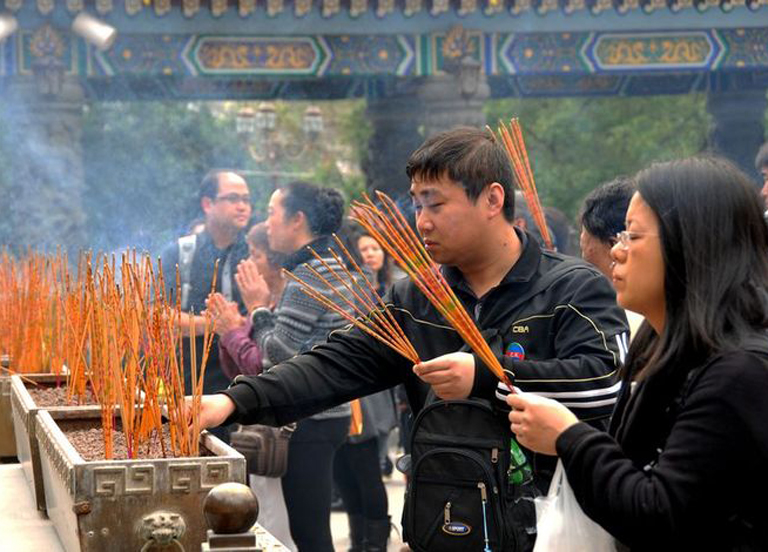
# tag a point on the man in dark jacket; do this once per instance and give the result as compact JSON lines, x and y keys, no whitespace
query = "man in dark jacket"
{"x":226,"y":203}
{"x":553,"y":321}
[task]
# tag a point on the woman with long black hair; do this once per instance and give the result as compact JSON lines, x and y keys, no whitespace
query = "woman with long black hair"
{"x":684,"y":464}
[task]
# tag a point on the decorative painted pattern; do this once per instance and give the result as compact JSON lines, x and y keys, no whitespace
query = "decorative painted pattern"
{"x":46,"y":43}
{"x":544,"y":53}
{"x":746,"y":47}
{"x":221,"y":55}
{"x":145,"y":55}
{"x":653,"y":51}
{"x":396,"y":54}
{"x":387,"y":54}
{"x":448,"y":49}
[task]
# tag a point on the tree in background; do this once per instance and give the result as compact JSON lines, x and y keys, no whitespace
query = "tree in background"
{"x":576,"y":144}
{"x":144,"y":160}
{"x":143,"y":165}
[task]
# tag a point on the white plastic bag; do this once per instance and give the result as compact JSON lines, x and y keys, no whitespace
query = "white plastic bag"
{"x":561,"y":524}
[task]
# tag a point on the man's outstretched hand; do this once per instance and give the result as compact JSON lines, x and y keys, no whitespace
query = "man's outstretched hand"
{"x":214,"y":409}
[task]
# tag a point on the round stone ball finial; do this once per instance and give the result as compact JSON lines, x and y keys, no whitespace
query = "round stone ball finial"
{"x":231,"y":508}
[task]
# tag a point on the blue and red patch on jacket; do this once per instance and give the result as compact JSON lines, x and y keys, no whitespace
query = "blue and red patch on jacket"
{"x":515,"y":351}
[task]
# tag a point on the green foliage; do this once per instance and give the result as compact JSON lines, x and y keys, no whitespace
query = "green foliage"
{"x":143,"y":166}
{"x":575,"y":144}
{"x":144,"y":161}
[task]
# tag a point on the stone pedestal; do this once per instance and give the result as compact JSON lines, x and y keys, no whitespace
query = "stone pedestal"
{"x":738,"y":129}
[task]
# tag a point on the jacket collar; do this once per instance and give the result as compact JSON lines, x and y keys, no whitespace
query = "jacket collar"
{"x":206,"y":240}
{"x":524,"y":269}
{"x":303,"y":254}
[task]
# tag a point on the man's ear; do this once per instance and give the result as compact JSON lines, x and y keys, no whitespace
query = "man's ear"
{"x":205,"y":204}
{"x":495,"y":198}
{"x":299,"y":221}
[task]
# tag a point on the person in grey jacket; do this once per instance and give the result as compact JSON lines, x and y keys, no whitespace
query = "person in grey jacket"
{"x":302,"y":215}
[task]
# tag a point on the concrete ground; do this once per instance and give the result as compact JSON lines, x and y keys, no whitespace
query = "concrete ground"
{"x":395,"y":492}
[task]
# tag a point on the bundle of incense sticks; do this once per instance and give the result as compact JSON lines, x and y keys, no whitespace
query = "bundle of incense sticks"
{"x":390,"y":228}
{"x":371,"y":314}
{"x":120,"y":335}
{"x":512,"y":139}
{"x":28,"y":313}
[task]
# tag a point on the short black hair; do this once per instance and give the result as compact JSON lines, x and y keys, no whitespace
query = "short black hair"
{"x":468,"y":156}
{"x":323,"y":207}
{"x":604,"y":210}
{"x":761,"y":160}
{"x":209,"y":187}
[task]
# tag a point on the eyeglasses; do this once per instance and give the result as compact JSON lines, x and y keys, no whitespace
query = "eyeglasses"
{"x":625,"y":237}
{"x":235,"y":198}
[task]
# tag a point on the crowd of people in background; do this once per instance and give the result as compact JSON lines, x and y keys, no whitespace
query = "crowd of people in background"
{"x":661,"y":330}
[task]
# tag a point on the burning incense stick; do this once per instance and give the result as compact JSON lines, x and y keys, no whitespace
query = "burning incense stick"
{"x":514,"y":144}
{"x":391,"y":230}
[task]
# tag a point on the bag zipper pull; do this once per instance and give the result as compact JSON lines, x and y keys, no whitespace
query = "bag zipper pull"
{"x":483,"y":492}
{"x":447,"y":513}
{"x":494,"y":455}
{"x":484,"y":498}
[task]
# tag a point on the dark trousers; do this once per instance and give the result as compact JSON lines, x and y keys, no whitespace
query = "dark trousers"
{"x":308,"y":481}
{"x":358,"y":477}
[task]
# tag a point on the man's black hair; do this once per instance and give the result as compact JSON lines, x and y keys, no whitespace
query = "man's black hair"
{"x":209,"y":187}
{"x":468,"y":156}
{"x":605,"y":208}
{"x":322,"y":207}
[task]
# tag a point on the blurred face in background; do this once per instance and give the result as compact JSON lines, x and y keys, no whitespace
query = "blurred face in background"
{"x":371,"y":253}
{"x":231,"y":208}
{"x":281,"y":229}
{"x":764,"y":191}
{"x":259,"y":257}
{"x":596,"y":252}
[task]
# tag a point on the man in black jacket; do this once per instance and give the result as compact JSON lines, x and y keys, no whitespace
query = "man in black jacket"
{"x":553,"y":321}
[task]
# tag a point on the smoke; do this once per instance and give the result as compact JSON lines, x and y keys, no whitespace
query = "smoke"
{"x":102,"y":176}
{"x":43,"y":173}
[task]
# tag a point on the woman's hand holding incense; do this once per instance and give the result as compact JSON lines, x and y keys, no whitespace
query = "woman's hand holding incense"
{"x":451,"y":376}
{"x":538,"y":422}
{"x":253,"y":288}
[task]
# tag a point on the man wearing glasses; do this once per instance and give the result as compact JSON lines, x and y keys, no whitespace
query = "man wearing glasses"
{"x":226,"y":205}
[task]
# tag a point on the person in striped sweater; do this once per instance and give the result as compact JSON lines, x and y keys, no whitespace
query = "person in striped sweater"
{"x":302,"y":215}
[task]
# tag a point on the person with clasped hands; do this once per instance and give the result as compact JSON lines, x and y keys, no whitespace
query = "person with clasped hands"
{"x":683,"y":466}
